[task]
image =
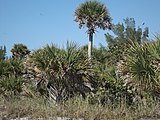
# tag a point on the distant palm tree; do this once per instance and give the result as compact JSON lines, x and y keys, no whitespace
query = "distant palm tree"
{"x":19,"y":51}
{"x":92,"y":14}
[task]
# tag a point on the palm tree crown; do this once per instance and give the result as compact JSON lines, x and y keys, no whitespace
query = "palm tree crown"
{"x":93,"y":14}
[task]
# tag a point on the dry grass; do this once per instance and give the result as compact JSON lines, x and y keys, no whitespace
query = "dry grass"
{"x":75,"y":108}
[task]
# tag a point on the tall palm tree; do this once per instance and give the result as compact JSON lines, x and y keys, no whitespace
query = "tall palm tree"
{"x":92,"y":14}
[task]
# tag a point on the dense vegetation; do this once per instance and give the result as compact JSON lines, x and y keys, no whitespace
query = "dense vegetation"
{"x":121,"y":81}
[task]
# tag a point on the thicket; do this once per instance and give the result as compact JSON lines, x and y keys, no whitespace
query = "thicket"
{"x":124,"y":72}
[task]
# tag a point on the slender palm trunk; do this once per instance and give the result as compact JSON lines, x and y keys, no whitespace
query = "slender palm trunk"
{"x":90,"y":46}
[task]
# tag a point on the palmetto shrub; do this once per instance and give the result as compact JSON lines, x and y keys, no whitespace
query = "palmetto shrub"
{"x":144,"y":66}
{"x":66,"y":71}
{"x":111,"y":90}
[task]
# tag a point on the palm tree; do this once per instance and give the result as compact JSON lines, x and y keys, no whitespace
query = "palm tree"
{"x":19,"y":51}
{"x":92,"y":14}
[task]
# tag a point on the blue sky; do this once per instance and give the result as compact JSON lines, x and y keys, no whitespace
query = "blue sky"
{"x":36,"y":23}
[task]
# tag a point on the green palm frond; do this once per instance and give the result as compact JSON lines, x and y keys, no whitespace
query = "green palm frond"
{"x":143,"y":62}
{"x":65,"y":69}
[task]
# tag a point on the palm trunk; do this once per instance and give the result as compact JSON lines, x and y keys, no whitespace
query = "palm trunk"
{"x":90,"y":45}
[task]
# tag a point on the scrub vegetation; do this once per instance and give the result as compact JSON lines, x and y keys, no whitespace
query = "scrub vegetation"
{"x":119,"y":80}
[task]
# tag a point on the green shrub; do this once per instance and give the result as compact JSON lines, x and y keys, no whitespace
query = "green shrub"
{"x":10,"y":86}
{"x":143,"y":63}
{"x":65,"y":70}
